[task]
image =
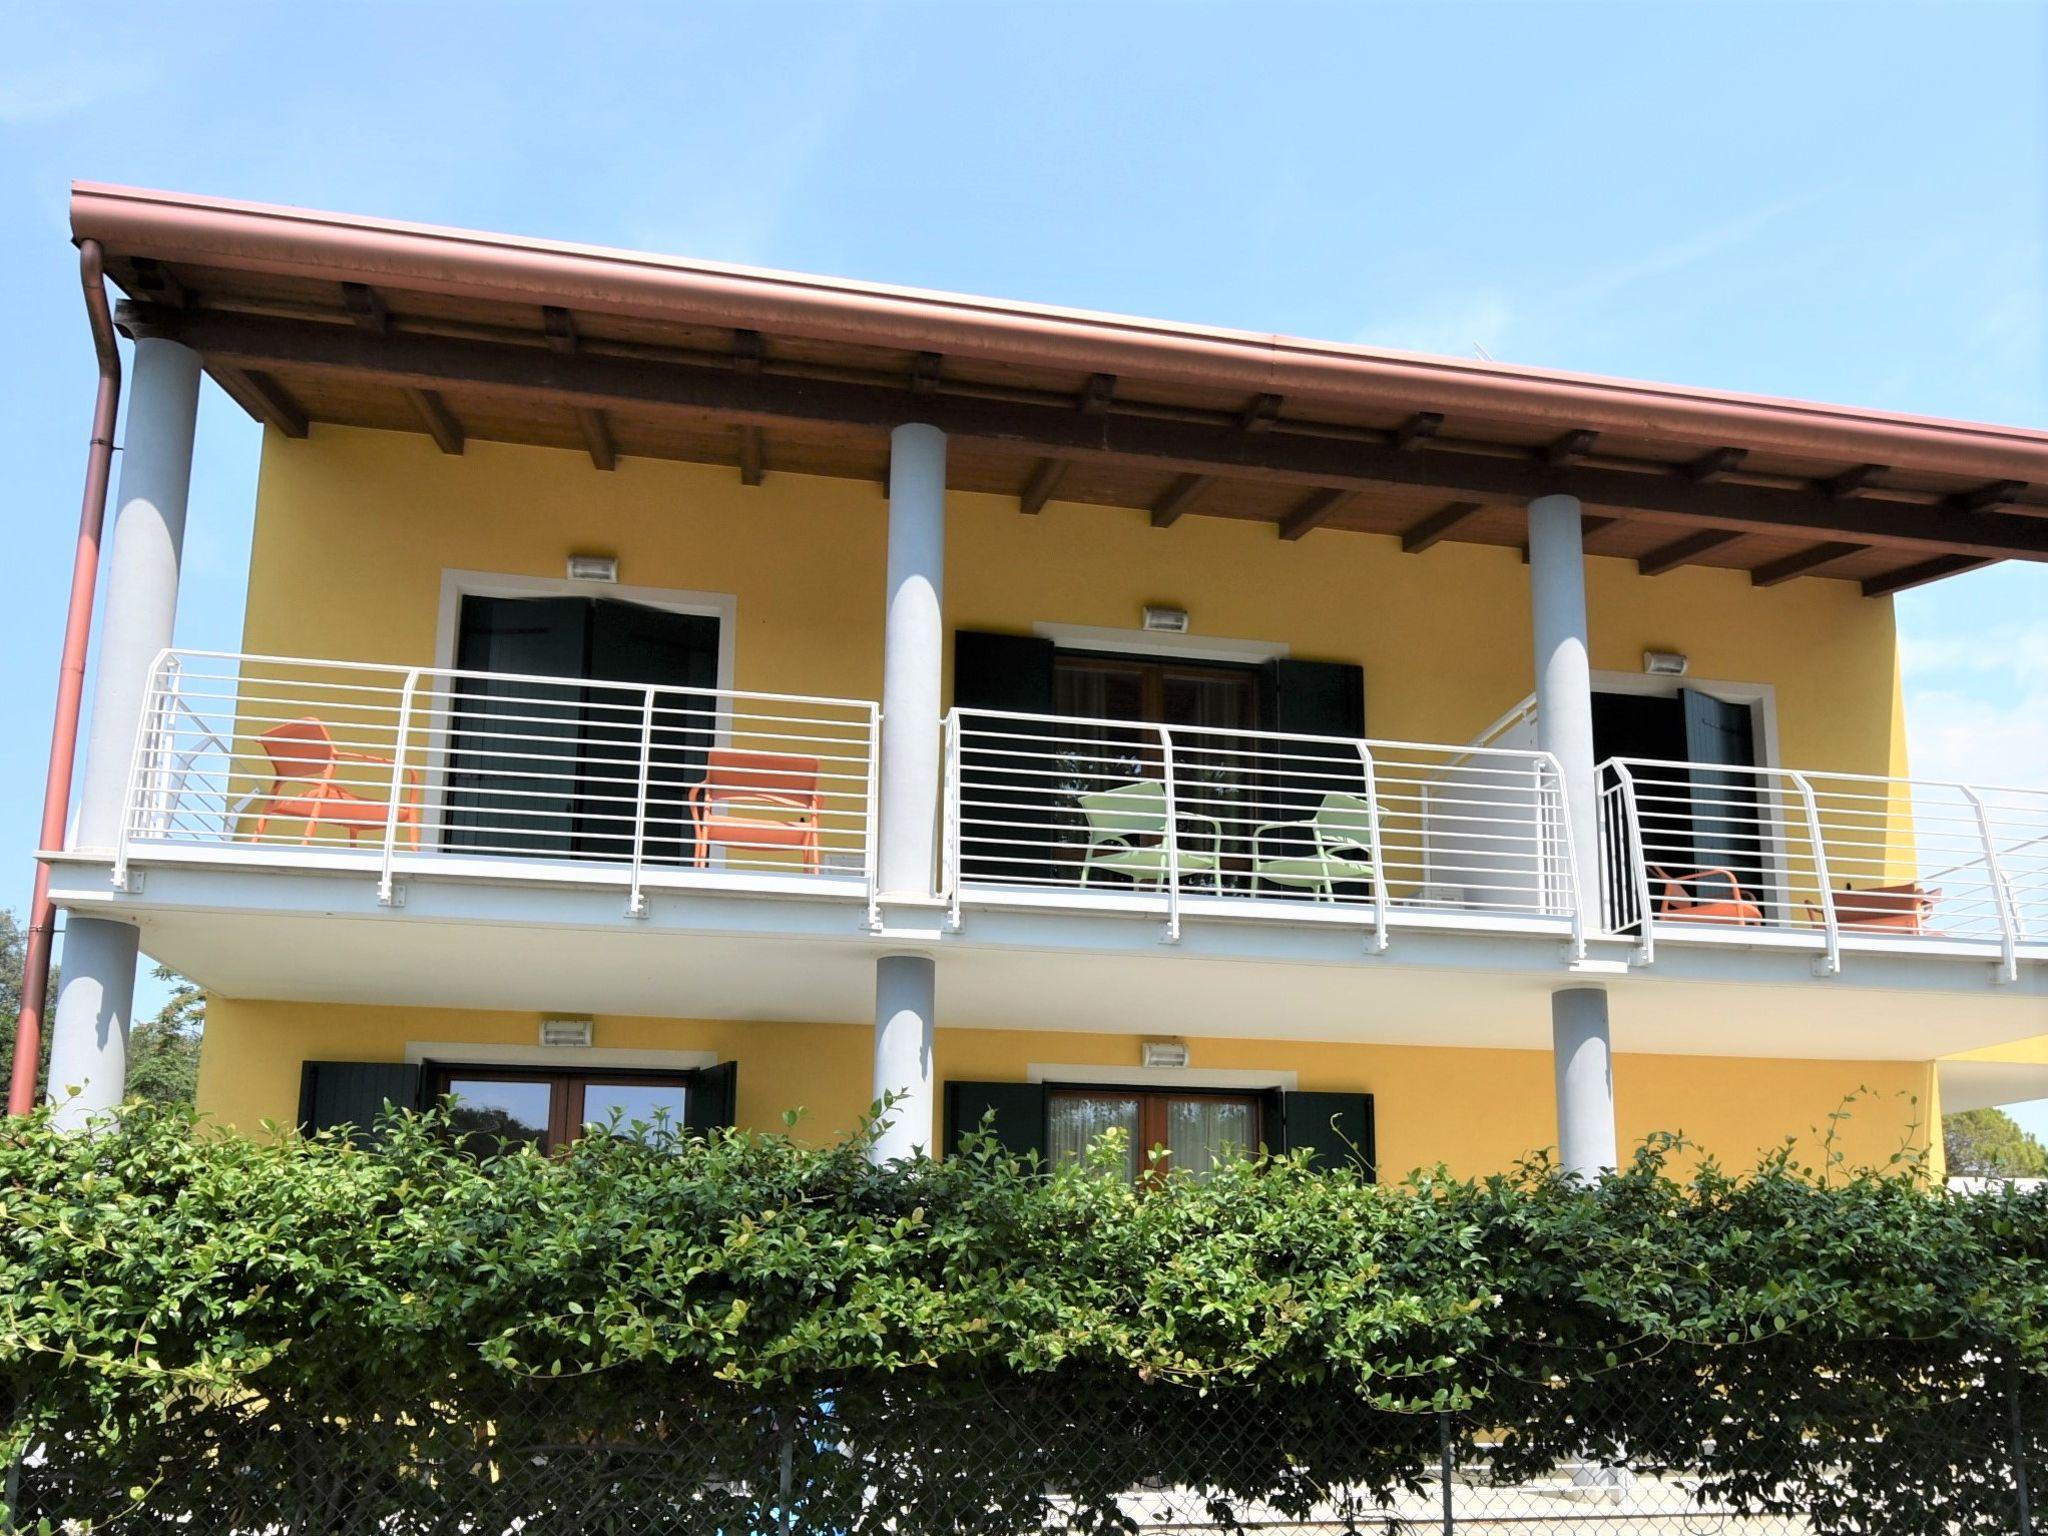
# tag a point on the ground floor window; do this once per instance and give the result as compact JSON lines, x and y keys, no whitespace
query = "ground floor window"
{"x":1194,"y":1130}
{"x":490,"y":1105}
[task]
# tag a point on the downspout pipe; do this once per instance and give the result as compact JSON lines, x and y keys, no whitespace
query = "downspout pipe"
{"x":85,"y":569}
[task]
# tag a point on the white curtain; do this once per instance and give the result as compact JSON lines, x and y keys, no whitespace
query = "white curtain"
{"x":1074,"y":1121}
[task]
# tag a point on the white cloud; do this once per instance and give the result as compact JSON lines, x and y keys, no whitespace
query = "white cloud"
{"x":1977,"y":704}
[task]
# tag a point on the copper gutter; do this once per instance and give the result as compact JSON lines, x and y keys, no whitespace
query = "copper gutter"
{"x":333,"y":248}
{"x":85,"y":566}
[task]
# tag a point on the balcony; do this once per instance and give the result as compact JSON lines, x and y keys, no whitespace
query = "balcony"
{"x":396,"y":773}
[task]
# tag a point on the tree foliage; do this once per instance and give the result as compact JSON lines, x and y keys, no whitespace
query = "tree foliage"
{"x":172,"y":1298}
{"x":1990,"y":1144}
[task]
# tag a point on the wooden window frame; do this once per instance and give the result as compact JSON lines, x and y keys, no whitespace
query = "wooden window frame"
{"x":1152,"y":1111}
{"x":567,"y":1089}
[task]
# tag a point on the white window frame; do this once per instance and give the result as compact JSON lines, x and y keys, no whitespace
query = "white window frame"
{"x":1152,"y":642}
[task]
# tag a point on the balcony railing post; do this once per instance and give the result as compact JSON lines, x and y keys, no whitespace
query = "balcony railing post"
{"x":141,"y":762}
{"x":2001,"y":891}
{"x":1379,"y":863}
{"x":1172,"y":838}
{"x":387,"y":890}
{"x":1638,"y":861}
{"x":1831,"y":962}
{"x":1573,"y":884}
{"x":950,"y":843}
{"x":636,"y":899}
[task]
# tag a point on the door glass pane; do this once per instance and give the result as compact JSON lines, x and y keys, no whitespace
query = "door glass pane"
{"x":1075,"y":1120}
{"x":486,"y":1111}
{"x":1200,"y":1131}
{"x":657,"y":1106}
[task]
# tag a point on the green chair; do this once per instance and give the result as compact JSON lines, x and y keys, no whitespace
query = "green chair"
{"x":1127,"y":835}
{"x":1339,"y":838}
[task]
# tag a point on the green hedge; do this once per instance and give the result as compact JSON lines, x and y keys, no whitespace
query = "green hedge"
{"x":163,"y":1288}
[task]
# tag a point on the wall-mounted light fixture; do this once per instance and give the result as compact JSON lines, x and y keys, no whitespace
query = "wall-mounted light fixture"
{"x":1665,"y":663}
{"x":1164,"y":1053}
{"x":565,"y":1032}
{"x":594,"y":568}
{"x":1171,"y":621}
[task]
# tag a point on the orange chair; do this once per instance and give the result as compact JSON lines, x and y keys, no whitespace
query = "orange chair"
{"x":301,"y":752}
{"x":728,"y":804}
{"x":1880,"y":909}
{"x":1694,"y":898}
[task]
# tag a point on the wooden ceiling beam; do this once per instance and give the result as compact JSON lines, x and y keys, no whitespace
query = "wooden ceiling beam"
{"x":1045,"y":479}
{"x":1988,"y":498}
{"x":1176,"y":500}
{"x":1807,"y":562}
{"x":926,"y":373}
{"x":560,"y":328}
{"x":749,"y":350}
{"x":1669,"y":557}
{"x":1312,"y":511}
{"x":1853,"y":481}
{"x":597,"y":437}
{"x":1440,"y":525}
{"x":1417,"y":430}
{"x":1715,"y":464}
{"x":1571,"y":447}
{"x":263,"y":398}
{"x":1261,"y":413}
{"x":366,"y":307}
{"x":435,"y":416}
{"x":753,"y":455}
{"x":1097,"y":393}
{"x":1126,"y":438}
{"x":1921,"y":573}
{"x":158,"y":281}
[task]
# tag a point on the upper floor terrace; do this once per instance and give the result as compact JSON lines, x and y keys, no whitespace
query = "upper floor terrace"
{"x":937,"y":732}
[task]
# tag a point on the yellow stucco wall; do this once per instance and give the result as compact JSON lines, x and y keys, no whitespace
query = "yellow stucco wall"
{"x":354,"y":529}
{"x":1476,"y":1110}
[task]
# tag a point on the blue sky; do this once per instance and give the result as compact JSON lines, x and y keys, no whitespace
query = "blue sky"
{"x":1843,"y":202}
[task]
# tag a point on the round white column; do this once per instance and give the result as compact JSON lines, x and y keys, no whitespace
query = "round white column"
{"x":95,"y":1006}
{"x":913,"y":660}
{"x":906,"y":995}
{"x":96,"y":984}
{"x":141,"y":601}
{"x":1564,"y":728}
{"x":1584,"y":1060}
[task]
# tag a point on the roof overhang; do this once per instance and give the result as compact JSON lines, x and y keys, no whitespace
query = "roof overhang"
{"x":311,"y":317}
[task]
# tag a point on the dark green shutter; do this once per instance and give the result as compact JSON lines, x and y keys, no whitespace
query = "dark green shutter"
{"x":1019,"y":1124}
{"x":1005,"y":816}
{"x":632,"y":643}
{"x":1312,"y":698}
{"x":1336,"y":1127}
{"x":712,"y":1102}
{"x":1727,"y":826}
{"x":354,"y":1093}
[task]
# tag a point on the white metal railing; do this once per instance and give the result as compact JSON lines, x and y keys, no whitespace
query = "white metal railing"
{"x":1045,"y":808}
{"x":397,"y":768}
{"x":1702,"y":850}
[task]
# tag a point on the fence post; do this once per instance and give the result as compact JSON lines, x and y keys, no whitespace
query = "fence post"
{"x":1379,"y":862}
{"x":1446,"y":1465}
{"x":2021,"y":1493}
{"x":1830,"y":963}
{"x":386,"y":895}
{"x":636,"y":899}
{"x":1172,"y":839}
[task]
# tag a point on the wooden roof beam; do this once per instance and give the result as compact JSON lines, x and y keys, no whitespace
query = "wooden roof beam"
{"x":366,"y":307}
{"x":1669,"y":557}
{"x":1417,"y":430}
{"x":1176,"y":500}
{"x":1260,"y":415}
{"x":560,"y":326}
{"x":1440,"y":525}
{"x":753,"y":455}
{"x":1921,"y":573}
{"x":1312,"y":511}
{"x":926,"y":372}
{"x":1853,"y":481}
{"x":1807,"y":562}
{"x":1989,"y":498}
{"x":263,"y":398}
{"x":1571,"y":447}
{"x":1097,"y":393}
{"x":1714,"y":464}
{"x":158,"y":281}
{"x":597,"y":437}
{"x":435,"y":416}
{"x":1130,"y":440}
{"x":749,"y":350}
{"x":1038,"y":490}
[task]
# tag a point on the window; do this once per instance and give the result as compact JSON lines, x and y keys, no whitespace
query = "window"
{"x":1195,"y":1130}
{"x":551,"y":1109}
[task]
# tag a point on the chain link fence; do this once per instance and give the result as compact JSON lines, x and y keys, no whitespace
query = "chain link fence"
{"x":964,"y":1458}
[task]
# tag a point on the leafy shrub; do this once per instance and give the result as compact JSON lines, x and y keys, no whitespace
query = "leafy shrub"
{"x":201,"y":1318}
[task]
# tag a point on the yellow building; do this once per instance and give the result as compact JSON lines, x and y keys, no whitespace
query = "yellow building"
{"x":692,"y":689}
